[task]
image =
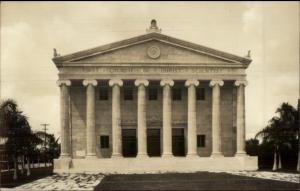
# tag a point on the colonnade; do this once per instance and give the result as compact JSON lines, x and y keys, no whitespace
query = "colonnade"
{"x":141,"y":85}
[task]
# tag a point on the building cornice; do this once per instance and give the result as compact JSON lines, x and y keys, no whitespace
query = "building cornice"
{"x":148,"y":37}
{"x":149,"y":64}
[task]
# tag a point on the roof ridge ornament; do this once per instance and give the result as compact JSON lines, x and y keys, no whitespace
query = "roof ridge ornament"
{"x":153,"y":27}
{"x":55,"y":53}
{"x":248,"y":54}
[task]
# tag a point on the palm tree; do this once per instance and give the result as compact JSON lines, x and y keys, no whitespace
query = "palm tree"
{"x":18,"y":131}
{"x":29,"y":150}
{"x":281,"y":131}
{"x":252,"y":147}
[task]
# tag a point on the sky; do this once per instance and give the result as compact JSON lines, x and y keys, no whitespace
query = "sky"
{"x":30,"y":31}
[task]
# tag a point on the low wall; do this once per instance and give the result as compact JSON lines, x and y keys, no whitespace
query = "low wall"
{"x":155,"y":165}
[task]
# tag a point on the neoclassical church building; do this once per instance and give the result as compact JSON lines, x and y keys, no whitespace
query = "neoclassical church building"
{"x":152,"y":103}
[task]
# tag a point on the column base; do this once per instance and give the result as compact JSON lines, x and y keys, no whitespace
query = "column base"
{"x":192,"y":155}
{"x":167,"y":155}
{"x":142,"y":155}
{"x":116,"y":155}
{"x":240,"y":154}
{"x":214,"y":155}
{"x":64,"y":155}
{"x":63,"y":162}
{"x":91,"y":156}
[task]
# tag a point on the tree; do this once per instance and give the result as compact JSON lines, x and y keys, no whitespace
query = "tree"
{"x":48,"y":146}
{"x":281,"y":131}
{"x":30,"y":149}
{"x":54,"y":148}
{"x":17,"y":130}
{"x":252,"y":147}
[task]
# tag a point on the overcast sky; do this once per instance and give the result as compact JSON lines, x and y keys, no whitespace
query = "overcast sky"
{"x":30,"y":31}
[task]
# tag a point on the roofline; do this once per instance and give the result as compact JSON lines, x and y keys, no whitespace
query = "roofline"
{"x":149,"y":64}
{"x":147,"y":37}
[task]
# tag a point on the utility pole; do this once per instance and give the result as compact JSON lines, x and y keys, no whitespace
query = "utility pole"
{"x":298,"y":163}
{"x":45,"y":131}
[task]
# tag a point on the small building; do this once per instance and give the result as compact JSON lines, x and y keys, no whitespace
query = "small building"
{"x":152,"y":103}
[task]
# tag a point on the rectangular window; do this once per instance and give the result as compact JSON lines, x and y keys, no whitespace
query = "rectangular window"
{"x":104,"y":141}
{"x":176,"y":93}
{"x":152,"y":93}
{"x":103,"y":93}
{"x":128,"y":93}
{"x":200,"y":93}
{"x":200,"y":140}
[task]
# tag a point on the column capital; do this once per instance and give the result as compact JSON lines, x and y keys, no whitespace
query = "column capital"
{"x":139,"y":82}
{"x":167,"y":82}
{"x":117,"y":82}
{"x":241,"y":82}
{"x":215,"y":82}
{"x":61,"y":82}
{"x":190,"y":82}
{"x":89,"y":81}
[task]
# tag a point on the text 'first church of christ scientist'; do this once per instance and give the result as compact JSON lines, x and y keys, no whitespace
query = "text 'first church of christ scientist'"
{"x":152,"y":103}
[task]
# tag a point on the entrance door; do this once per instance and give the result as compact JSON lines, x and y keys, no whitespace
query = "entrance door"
{"x":178,"y":147}
{"x":153,"y":142}
{"x":129,"y":142}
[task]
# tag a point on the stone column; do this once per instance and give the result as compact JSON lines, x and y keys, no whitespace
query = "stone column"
{"x":141,"y":117}
{"x":192,"y":126}
{"x":216,"y":120}
{"x":116,"y":118}
{"x":167,"y":117}
{"x":90,"y":118}
{"x":240,"y":119}
{"x":64,"y":117}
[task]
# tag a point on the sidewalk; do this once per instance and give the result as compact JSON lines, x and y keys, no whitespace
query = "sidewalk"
{"x":250,"y":179}
{"x":63,"y":182}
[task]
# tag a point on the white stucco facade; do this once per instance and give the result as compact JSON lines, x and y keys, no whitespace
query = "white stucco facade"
{"x":152,"y":103}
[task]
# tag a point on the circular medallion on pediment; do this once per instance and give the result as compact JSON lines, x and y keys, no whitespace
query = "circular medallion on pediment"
{"x":153,"y":52}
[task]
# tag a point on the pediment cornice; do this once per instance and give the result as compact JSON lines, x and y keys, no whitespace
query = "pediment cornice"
{"x":77,"y":56}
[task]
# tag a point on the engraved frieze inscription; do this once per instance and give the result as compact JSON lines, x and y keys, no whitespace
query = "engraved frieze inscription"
{"x":148,"y":70}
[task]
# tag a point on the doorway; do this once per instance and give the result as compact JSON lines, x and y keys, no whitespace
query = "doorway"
{"x":153,"y":142}
{"x":178,"y":144}
{"x":129,"y":146}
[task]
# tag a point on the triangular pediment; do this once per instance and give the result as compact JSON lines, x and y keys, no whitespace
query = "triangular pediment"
{"x":152,"y":48}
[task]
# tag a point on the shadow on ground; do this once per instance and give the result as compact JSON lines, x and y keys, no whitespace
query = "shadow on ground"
{"x":191,"y":181}
{"x":7,"y":180}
